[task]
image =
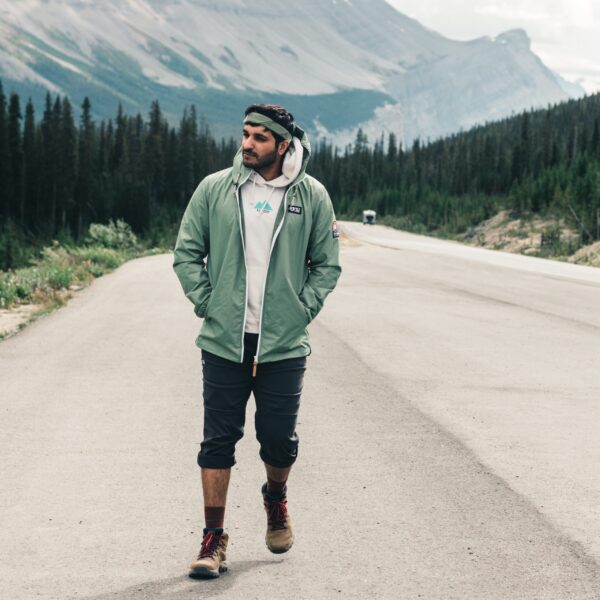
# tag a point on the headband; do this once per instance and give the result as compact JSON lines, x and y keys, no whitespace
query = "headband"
{"x":260,"y":119}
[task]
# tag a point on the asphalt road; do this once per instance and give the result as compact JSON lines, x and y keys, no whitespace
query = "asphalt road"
{"x":449,"y":438}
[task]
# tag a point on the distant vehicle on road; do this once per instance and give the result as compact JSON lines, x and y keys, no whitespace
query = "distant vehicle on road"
{"x":369,"y":217}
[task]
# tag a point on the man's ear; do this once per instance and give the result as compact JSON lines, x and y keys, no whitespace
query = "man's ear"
{"x":283,"y":146}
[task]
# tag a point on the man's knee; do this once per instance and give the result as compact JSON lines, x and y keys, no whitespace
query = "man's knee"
{"x":278,"y":448}
{"x":217,"y":450}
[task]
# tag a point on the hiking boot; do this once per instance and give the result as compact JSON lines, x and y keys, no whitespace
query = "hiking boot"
{"x":280,"y":536}
{"x":211,"y":558}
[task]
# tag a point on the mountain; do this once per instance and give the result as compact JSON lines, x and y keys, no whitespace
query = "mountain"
{"x":336,"y":64}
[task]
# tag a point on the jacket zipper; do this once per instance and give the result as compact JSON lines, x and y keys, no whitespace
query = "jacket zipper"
{"x":237,"y":198}
{"x":262,"y":305}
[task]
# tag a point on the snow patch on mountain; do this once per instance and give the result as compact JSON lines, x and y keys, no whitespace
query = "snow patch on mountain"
{"x":231,"y":44}
{"x":218,"y":53}
{"x":14,"y":70}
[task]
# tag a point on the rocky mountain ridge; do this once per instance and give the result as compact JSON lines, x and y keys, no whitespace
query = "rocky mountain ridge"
{"x":338,"y":64}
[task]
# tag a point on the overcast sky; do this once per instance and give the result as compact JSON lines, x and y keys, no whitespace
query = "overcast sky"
{"x":565,"y":34}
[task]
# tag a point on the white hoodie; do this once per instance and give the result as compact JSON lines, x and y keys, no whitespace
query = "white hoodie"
{"x":261,"y":200}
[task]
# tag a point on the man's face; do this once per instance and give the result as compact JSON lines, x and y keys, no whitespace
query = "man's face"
{"x":259,"y":150}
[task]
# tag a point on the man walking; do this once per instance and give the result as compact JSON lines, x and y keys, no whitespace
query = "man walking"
{"x":268,"y":233}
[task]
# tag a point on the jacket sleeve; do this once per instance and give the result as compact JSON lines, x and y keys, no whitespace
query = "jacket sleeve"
{"x":191,"y":248}
{"x":323,"y":255}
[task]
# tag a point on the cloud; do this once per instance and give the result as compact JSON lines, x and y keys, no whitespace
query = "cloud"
{"x":510,"y":11}
{"x":581,"y":13}
{"x":564,"y":33}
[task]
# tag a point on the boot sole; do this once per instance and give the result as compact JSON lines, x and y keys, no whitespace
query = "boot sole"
{"x":204,"y":573}
{"x":279,"y":550}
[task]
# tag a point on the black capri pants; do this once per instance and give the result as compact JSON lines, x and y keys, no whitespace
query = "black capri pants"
{"x":227,"y":386}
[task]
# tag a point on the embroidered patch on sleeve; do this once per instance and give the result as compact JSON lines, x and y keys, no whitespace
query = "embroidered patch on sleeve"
{"x":334,"y":230}
{"x":297,"y":210}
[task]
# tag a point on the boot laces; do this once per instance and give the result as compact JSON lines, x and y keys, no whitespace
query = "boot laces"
{"x":210,"y":544}
{"x":276,"y":512}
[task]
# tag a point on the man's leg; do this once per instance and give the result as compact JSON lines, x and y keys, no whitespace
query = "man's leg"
{"x":277,"y":390}
{"x":276,"y":479}
{"x":214,"y":487}
{"x":227,"y":387}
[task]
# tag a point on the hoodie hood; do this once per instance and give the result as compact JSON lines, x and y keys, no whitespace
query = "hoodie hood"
{"x":292,"y":164}
{"x":293,"y":169}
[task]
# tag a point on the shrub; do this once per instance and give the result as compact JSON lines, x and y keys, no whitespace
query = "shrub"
{"x":22,"y":285}
{"x":553,"y":243}
{"x":117,"y":235}
{"x":56,"y":268}
{"x":101,"y":257}
{"x":54,"y":255}
{"x":59,"y":277}
{"x":551,"y":238}
{"x":8,"y":290}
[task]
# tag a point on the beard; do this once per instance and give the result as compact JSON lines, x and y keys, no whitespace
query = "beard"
{"x":258,"y":163}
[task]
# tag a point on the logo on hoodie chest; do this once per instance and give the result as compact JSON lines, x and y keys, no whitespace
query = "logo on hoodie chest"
{"x":263,"y":207}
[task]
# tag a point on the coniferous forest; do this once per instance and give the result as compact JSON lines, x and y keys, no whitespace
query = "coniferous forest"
{"x":58,"y":174}
{"x":538,"y":162}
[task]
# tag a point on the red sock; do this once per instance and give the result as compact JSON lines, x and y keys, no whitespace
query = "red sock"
{"x":275,"y":488}
{"x":214,"y":516}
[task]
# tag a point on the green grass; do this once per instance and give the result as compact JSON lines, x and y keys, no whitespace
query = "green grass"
{"x":53,"y":272}
{"x":60,"y":266}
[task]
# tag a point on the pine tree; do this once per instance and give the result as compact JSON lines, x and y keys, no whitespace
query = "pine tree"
{"x":154,"y":161}
{"x":68,"y":165}
{"x":188,"y":132}
{"x":595,"y":139}
{"x":57,"y":160}
{"x":119,"y":149}
{"x":173,"y":175}
{"x":5,"y":167}
{"x":31,"y":161}
{"x":15,"y":143}
{"x":48,"y":183}
{"x":85,"y":179}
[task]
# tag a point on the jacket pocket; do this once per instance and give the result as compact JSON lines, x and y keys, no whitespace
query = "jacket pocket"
{"x":305,"y":311}
{"x":202,"y":310}
{"x":302,"y":312}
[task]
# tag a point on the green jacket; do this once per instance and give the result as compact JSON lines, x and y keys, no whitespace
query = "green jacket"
{"x":303,"y":267}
